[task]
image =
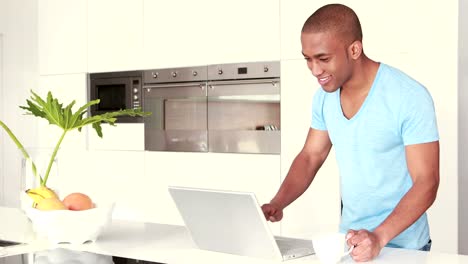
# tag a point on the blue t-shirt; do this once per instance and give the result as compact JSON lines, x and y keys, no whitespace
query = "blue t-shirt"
{"x":370,"y":149}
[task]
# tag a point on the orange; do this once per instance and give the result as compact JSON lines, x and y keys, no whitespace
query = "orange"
{"x":78,"y":201}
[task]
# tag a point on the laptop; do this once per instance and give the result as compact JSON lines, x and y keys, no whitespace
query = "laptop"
{"x":233,"y":222}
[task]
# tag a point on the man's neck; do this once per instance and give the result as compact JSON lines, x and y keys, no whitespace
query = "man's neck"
{"x":362,"y":79}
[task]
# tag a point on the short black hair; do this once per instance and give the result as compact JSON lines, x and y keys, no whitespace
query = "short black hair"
{"x":336,"y":18}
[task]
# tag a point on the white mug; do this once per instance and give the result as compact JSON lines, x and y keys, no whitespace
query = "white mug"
{"x":330,"y":248}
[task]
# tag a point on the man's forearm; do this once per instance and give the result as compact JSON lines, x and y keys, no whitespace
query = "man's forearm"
{"x":298,"y":179}
{"x":415,"y":202}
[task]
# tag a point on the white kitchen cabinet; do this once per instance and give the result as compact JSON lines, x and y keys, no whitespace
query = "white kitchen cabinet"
{"x":318,"y":209}
{"x":293,"y":16}
{"x":62,"y":36}
{"x":107,"y":176}
{"x":175,"y":33}
{"x":115,"y":35}
{"x":65,"y":88}
{"x":2,"y":134}
{"x":243,"y":30}
{"x":237,"y":172}
{"x":18,"y":33}
{"x":122,"y":136}
{"x":183,"y":33}
{"x":388,"y":27}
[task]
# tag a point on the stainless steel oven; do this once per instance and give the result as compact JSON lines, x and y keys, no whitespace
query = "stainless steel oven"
{"x":244,"y":108}
{"x":218,"y":108}
{"x":177,"y":99}
{"x":116,"y":91}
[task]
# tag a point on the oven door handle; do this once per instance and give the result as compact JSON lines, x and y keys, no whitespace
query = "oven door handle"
{"x":170,"y":85}
{"x":274,"y":82}
{"x":244,"y":88}
{"x":176,"y":90}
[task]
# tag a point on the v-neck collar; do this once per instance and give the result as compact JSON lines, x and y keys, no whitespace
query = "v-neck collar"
{"x":366,"y":100}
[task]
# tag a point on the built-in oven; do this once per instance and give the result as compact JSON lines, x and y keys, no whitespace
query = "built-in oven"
{"x":116,"y":91}
{"x":231,"y":108}
{"x":244,"y":108}
{"x":177,"y":99}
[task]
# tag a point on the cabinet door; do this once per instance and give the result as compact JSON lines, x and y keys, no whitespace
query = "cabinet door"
{"x":175,"y":33}
{"x":318,"y":209}
{"x":236,"y":172}
{"x":388,"y":26}
{"x":184,"y":33}
{"x":106,"y":176}
{"x":62,"y":36}
{"x":293,"y":16}
{"x":2,"y":135}
{"x":122,"y":136}
{"x":243,"y":30}
{"x":115,"y":35}
{"x":66,"y":88}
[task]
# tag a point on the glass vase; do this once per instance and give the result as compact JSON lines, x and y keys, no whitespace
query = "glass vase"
{"x":40,"y":158}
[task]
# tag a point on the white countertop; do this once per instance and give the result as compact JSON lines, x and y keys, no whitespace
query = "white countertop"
{"x":172,"y":244}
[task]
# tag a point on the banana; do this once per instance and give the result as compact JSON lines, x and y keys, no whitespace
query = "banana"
{"x":40,"y":193}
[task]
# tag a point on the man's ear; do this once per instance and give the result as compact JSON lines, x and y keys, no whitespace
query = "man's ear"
{"x":355,"y":49}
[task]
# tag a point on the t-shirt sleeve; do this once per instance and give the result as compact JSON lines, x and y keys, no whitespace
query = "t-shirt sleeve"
{"x":318,"y":121}
{"x":418,"y":118}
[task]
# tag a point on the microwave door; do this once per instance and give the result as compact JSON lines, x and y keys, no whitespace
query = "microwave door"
{"x":114,"y":94}
{"x":179,"y":119}
{"x":244,"y":116}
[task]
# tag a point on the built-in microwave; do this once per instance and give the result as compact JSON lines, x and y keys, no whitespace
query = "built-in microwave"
{"x":116,"y":91}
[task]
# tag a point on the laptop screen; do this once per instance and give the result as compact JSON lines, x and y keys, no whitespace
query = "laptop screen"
{"x":225,"y":221}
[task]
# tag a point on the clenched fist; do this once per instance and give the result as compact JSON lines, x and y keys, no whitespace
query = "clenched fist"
{"x":366,"y":245}
{"x":272,"y":212}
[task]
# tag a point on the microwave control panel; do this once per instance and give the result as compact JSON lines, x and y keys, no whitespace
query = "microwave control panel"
{"x":136,"y":96}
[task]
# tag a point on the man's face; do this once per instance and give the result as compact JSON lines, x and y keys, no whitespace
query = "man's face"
{"x":327,"y":59}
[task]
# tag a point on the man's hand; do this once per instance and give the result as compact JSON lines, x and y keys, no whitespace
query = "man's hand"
{"x":366,"y":245}
{"x":272,"y":212}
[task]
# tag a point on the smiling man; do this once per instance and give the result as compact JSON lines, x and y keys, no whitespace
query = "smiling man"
{"x":383,"y":128}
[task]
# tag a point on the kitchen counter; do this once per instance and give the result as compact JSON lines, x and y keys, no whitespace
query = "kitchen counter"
{"x":172,"y":244}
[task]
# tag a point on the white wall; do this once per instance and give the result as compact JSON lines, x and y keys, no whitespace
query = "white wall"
{"x":463,"y":126}
{"x":18,"y":25}
{"x":2,"y":193}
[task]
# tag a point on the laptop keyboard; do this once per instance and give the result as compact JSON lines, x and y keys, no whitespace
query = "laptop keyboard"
{"x":285,"y":244}
{"x":294,"y":247}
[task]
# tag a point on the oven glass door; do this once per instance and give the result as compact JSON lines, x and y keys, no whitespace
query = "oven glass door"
{"x":179,"y":119}
{"x":114,"y":94}
{"x":244,"y":116}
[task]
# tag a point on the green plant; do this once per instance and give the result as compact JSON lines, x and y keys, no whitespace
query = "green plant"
{"x":63,"y":117}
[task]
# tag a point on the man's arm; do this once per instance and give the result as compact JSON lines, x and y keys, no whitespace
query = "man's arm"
{"x":423,"y":165}
{"x":301,"y":173}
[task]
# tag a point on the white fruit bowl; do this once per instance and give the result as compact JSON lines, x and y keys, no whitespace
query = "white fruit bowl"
{"x":68,"y":226}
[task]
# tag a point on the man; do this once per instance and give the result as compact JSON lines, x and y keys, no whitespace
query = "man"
{"x":382,"y":125}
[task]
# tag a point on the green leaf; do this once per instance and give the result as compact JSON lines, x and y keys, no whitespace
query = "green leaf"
{"x":78,"y":116}
{"x":22,"y":149}
{"x":52,"y":110}
{"x":98,"y":128}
